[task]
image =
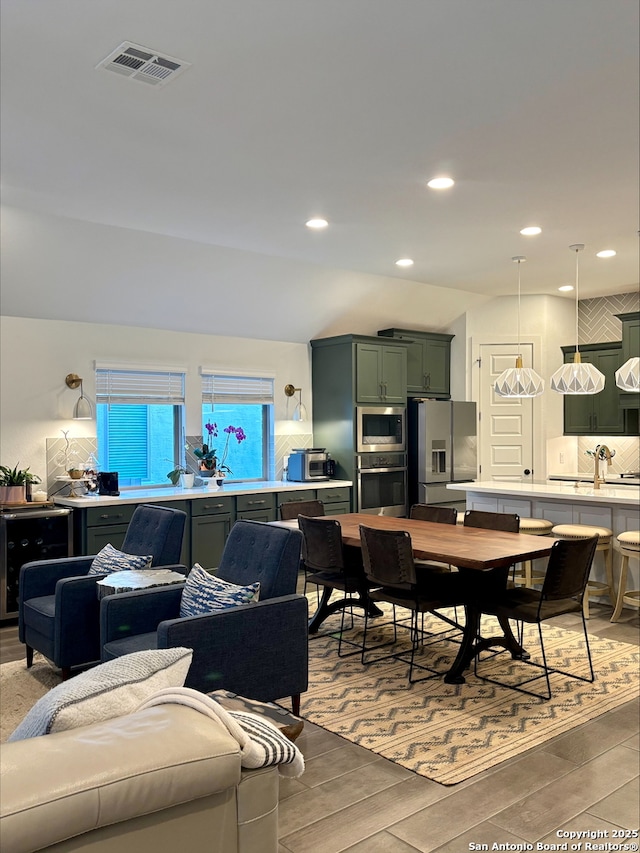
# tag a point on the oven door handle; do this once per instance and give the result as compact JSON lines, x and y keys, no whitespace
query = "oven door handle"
{"x":380,"y":470}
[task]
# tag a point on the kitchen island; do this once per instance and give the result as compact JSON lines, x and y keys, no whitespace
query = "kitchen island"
{"x":102,"y":519}
{"x":617,"y":508}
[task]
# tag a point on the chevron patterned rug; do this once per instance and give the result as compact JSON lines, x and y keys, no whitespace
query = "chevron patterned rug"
{"x":449,"y":732}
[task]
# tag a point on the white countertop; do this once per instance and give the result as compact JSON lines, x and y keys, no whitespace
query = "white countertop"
{"x":606,"y":494}
{"x":128,"y":496}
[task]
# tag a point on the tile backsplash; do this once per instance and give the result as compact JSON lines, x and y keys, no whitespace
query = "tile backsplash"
{"x":627,"y":457}
{"x":597,"y":321}
{"x":64,"y":453}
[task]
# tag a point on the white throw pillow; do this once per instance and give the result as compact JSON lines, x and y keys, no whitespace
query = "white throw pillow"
{"x":111,"y":689}
{"x":110,"y":560}
{"x":205,"y":593}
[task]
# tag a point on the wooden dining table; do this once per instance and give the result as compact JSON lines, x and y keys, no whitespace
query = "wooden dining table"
{"x":470,"y":549}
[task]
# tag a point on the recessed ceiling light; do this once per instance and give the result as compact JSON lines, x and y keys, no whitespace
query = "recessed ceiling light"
{"x":404,"y":262}
{"x":316,"y":223}
{"x":566,"y":287}
{"x":606,"y":253}
{"x":440,"y":183}
{"x":531,"y":231}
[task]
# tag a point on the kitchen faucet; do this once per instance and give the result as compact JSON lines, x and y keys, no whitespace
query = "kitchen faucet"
{"x":601,"y":450}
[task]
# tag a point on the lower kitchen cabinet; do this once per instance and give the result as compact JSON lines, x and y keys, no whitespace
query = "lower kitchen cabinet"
{"x":211,"y":521}
{"x":289,"y":497}
{"x":100,"y":526}
{"x":337,"y":500}
{"x":261,"y":507}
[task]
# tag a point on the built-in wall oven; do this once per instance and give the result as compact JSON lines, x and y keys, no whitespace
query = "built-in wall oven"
{"x":381,"y":429}
{"x":382,"y":483}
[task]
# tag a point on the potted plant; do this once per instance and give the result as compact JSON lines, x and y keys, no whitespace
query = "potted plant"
{"x":182,"y":475}
{"x":210,"y":466}
{"x":14,"y":483}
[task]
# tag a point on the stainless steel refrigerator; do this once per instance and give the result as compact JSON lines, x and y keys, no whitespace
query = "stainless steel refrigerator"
{"x":442,"y":449}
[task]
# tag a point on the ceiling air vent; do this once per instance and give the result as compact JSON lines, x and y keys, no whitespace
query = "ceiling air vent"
{"x":141,"y":63}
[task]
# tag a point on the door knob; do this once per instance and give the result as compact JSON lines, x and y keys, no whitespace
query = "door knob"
{"x":527,"y":471}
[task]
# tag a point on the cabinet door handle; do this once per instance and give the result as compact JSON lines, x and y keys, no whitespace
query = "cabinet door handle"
{"x":251,"y":503}
{"x":427,"y":380}
{"x":107,"y":515}
{"x":213,"y":506}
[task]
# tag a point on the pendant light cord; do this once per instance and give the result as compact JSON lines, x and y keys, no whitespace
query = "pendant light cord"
{"x":577,"y":295}
{"x":519,"y":353}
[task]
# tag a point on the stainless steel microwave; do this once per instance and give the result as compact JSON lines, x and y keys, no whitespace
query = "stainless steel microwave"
{"x":381,"y":428}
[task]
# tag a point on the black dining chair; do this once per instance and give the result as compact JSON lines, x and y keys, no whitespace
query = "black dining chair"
{"x":289,"y":511}
{"x":333,"y":566}
{"x":563,"y":591}
{"x":391,"y":571}
{"x":437,"y":515}
{"x":490,"y":583}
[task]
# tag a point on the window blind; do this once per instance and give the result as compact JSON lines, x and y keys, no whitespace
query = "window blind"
{"x":139,"y":387}
{"x":236,"y":389}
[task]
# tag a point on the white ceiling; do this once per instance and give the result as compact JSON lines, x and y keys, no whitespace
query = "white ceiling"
{"x":341,"y":108}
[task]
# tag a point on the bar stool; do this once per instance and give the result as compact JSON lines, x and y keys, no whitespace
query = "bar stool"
{"x":533,"y":527}
{"x":629,"y":543}
{"x":583,"y":531}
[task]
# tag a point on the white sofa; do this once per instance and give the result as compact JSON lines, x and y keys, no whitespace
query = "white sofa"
{"x":162,"y":780}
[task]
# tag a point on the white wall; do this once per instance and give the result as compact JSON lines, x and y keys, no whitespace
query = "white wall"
{"x":38,"y":354}
{"x":56,"y":268}
{"x":548,"y":322}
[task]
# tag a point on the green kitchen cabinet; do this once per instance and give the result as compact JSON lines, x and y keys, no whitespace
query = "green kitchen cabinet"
{"x":259,"y":507}
{"x":428,"y":361}
{"x":630,"y":400}
{"x":336,"y":500}
{"x":102,"y":526}
{"x":588,"y":414}
{"x":381,"y":374}
{"x":347,"y":371}
{"x":211,"y":520}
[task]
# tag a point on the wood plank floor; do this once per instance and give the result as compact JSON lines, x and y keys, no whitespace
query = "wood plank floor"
{"x":351,"y":801}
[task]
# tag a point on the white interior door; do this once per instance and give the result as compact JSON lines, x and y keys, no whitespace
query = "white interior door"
{"x":505,"y":423}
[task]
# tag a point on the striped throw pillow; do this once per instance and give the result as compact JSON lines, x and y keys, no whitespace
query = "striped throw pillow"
{"x":205,"y":593}
{"x":110,"y":560}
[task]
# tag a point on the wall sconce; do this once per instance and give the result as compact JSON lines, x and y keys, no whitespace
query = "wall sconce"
{"x":83,"y":410}
{"x":299,"y":413}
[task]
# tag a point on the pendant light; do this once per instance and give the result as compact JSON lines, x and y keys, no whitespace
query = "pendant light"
{"x":628,"y":376}
{"x":577,"y":377}
{"x":519,"y":381}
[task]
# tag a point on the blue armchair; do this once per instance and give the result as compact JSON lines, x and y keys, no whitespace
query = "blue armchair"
{"x":256,"y":650}
{"x":58,"y":607}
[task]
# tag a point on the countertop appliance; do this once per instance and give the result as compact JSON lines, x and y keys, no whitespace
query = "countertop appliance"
{"x":442,"y":444}
{"x":308,"y":464}
{"x":108,"y":483}
{"x":33,"y":532}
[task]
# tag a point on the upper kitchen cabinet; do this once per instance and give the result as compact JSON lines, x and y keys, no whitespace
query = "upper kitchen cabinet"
{"x":428,"y":361}
{"x":360,"y":369}
{"x":381,"y":373}
{"x":588,"y":414}
{"x":630,"y":349}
